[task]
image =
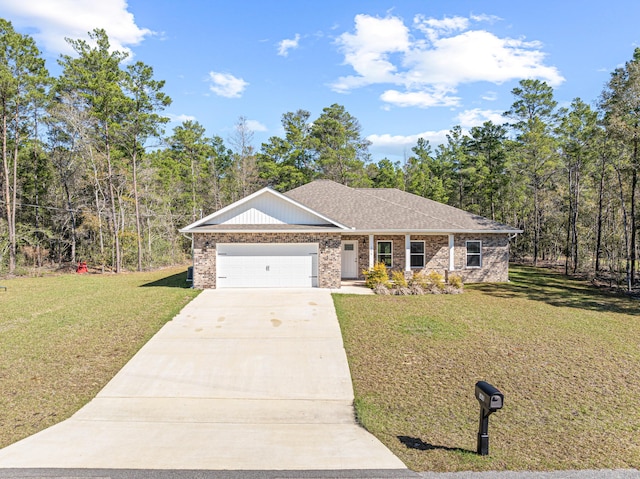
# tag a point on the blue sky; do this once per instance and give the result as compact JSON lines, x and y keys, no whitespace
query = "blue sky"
{"x":404,"y":68}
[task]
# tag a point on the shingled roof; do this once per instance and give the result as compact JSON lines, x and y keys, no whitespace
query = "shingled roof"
{"x":389,"y":209}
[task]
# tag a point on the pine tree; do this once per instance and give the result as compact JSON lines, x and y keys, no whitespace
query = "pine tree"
{"x":23,"y":78}
{"x":96,"y":76}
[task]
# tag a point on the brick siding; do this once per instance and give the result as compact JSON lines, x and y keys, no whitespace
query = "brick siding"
{"x":204,"y":254}
{"x":495,"y":255}
{"x":495,"y":258}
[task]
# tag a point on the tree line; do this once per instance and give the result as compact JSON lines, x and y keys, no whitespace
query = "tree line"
{"x":89,"y":173}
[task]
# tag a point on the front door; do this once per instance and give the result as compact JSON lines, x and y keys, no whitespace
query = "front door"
{"x":349,"y":259}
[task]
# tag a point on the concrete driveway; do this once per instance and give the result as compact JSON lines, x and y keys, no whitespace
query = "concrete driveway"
{"x":239,"y":380}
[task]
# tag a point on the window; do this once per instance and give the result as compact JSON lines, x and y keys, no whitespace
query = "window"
{"x":348,"y":246}
{"x":474,"y":254}
{"x":385,"y":253}
{"x":417,"y":254}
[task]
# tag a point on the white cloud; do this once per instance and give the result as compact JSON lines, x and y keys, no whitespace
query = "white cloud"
{"x":53,"y":20}
{"x":180,"y":118}
{"x":476,"y":117}
{"x":476,"y":56}
{"x":288,"y":44}
{"x":255,"y":125}
{"x":369,"y":48}
{"x":430,"y":61}
{"x":490,"y":96}
{"x":447,"y":25}
{"x":226,"y":85}
{"x":434,"y":28}
{"x":420,"y":99}
{"x":400,"y":145}
{"x":483,"y":17}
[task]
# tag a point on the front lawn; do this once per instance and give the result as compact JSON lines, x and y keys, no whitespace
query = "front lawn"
{"x":565,"y":355}
{"x":62,"y":338}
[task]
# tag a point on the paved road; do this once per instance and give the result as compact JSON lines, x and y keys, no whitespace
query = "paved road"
{"x":199,"y":474}
{"x":342,"y":474}
{"x":239,"y":380}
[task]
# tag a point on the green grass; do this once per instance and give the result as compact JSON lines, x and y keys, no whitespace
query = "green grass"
{"x":565,"y":355}
{"x":64,"y":337}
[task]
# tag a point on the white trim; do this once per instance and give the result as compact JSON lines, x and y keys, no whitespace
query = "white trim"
{"x":407,"y":252}
{"x":466,"y":261}
{"x":329,"y":229}
{"x":217,"y":229}
{"x":267,"y":190}
{"x":378,"y":254}
{"x":452,"y":253}
{"x":372,"y":254}
{"x":429,"y":232}
{"x":424,"y":255}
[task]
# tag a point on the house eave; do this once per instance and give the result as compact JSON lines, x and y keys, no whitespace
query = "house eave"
{"x":261,"y":231}
{"x":217,"y":229}
{"x":429,"y":231}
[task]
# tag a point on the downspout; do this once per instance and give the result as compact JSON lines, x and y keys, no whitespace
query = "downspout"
{"x":452,"y":253}
{"x":371,"y":252}
{"x":509,"y":253}
{"x":407,"y":254}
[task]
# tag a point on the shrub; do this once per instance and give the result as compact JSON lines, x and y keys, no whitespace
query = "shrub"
{"x":399,"y":281}
{"x":419,"y":280}
{"x":455,"y":281}
{"x":376,"y":276}
{"x":435,"y":281}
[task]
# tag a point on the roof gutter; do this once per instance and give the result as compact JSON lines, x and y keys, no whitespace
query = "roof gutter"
{"x":278,"y":231}
{"x":351,"y":231}
{"x":434,"y":231}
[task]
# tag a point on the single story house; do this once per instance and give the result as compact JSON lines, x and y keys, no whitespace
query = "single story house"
{"x":323,"y":232}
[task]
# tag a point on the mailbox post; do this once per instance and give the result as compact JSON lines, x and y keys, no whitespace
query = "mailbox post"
{"x":490,"y":400}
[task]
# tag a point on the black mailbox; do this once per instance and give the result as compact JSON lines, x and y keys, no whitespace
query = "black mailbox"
{"x":488,"y":396}
{"x":490,"y":399}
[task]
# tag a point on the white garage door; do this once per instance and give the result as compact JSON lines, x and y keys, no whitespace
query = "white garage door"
{"x":281,"y":265}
